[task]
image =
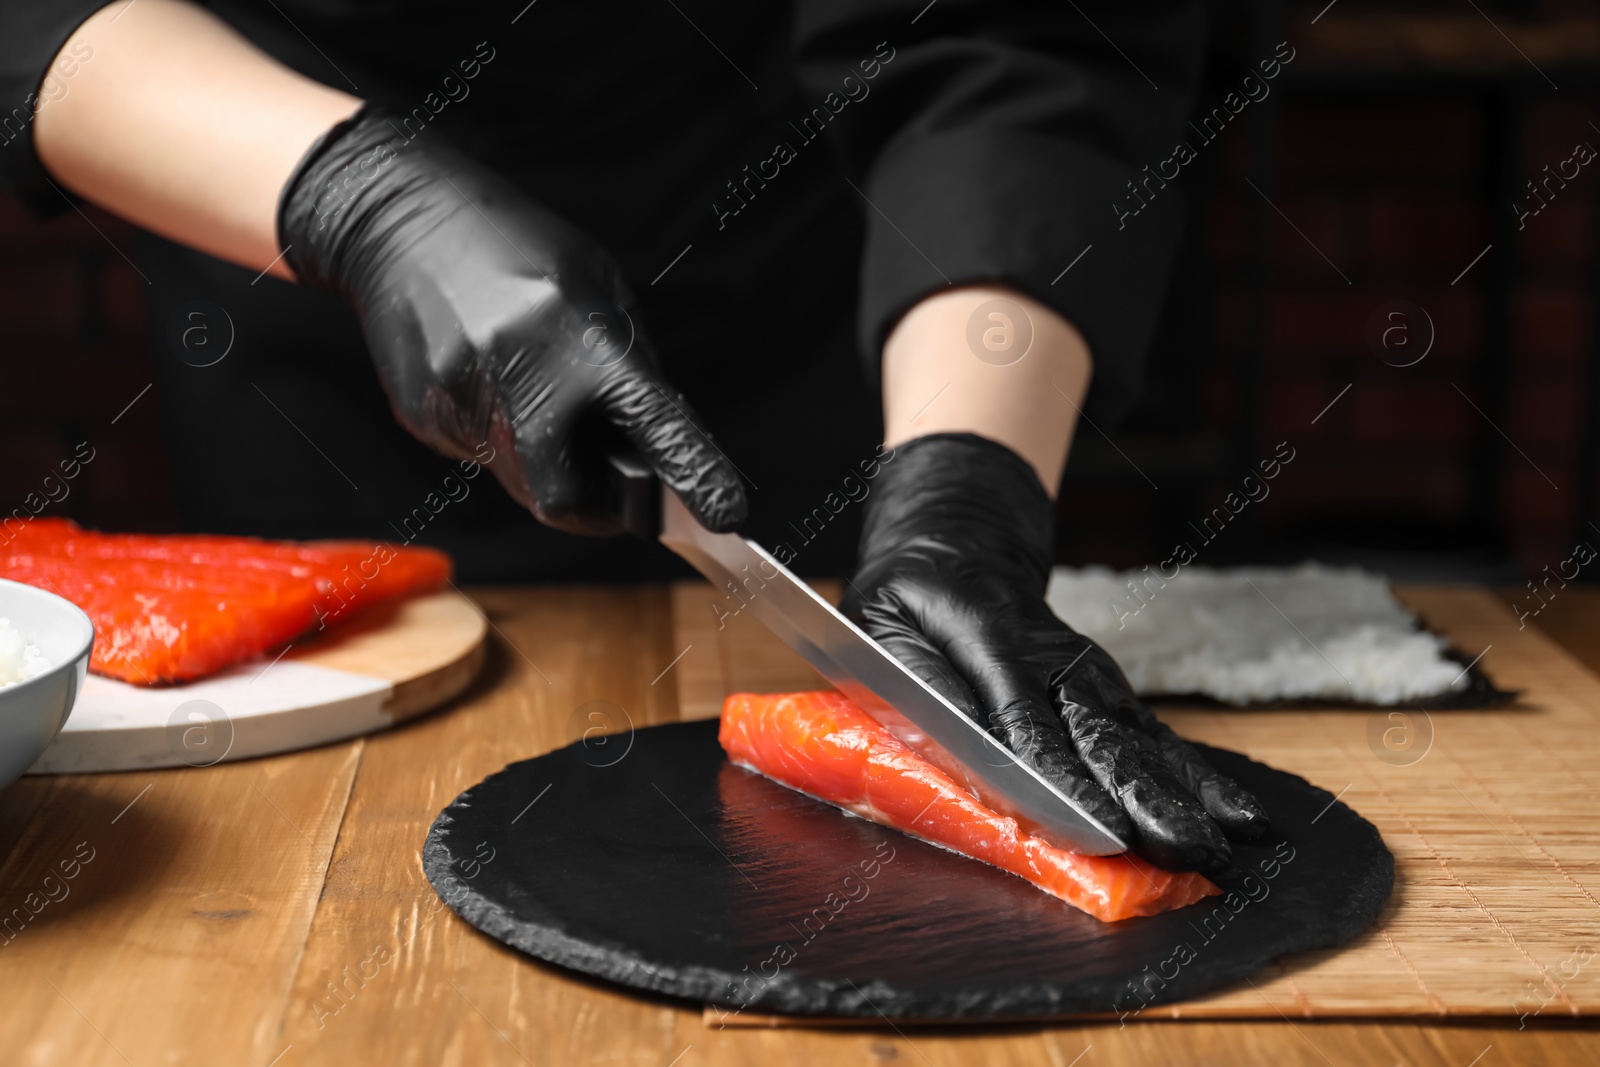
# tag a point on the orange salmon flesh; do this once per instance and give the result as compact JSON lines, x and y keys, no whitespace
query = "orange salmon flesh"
{"x":173,"y":608}
{"x":822,"y":744}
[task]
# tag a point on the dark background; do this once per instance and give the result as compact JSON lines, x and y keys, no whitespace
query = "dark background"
{"x":1386,"y":158}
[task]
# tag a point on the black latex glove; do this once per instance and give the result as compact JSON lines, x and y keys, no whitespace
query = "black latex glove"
{"x":955,"y":554}
{"x":493,"y":321}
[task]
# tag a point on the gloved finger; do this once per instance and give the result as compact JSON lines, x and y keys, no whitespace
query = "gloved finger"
{"x":1234,"y":808}
{"x":887,"y":621}
{"x":568,"y":488}
{"x":663,"y":427}
{"x":1231,"y":806}
{"x":1172,"y":829}
{"x":891,"y":622}
{"x":558,"y":467}
{"x":1019,"y":712}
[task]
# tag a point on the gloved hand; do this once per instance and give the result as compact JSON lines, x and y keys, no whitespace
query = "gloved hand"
{"x":955,"y":554}
{"x":493,"y":320}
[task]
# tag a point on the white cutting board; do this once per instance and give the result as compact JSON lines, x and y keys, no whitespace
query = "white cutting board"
{"x":390,"y":663}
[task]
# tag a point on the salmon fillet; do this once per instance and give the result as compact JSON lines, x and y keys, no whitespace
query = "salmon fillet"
{"x":176,"y":608}
{"x":823,"y":745}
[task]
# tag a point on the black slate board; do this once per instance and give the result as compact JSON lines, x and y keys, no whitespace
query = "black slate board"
{"x":654,"y":862}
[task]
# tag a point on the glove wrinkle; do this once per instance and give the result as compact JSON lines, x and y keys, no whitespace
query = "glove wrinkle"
{"x":478,"y":305}
{"x":956,"y":548}
{"x":1235,"y":810}
{"x":891,"y":622}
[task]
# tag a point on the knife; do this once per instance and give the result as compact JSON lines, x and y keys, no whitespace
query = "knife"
{"x":858,"y":666}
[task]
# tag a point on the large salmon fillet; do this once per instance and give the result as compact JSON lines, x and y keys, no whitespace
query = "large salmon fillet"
{"x":176,"y":608}
{"x":823,"y":745}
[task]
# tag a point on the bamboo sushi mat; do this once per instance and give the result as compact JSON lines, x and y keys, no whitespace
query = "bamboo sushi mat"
{"x":1492,"y":820}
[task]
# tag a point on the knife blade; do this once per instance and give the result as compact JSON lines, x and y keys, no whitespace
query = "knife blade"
{"x":754,"y":581}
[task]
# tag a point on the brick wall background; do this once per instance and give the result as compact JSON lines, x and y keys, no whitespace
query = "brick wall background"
{"x":1392,"y":128}
{"x":1382,"y":168}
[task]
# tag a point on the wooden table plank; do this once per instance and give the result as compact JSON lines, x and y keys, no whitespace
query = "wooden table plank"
{"x":383,"y":949}
{"x":195,"y":934}
{"x":1300,"y":1043}
{"x":176,"y":937}
{"x":740,"y":656}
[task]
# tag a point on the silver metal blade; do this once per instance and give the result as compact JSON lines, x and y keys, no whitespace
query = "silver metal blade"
{"x":881,"y":685}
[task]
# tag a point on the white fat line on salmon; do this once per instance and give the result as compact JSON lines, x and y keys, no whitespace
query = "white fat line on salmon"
{"x":1230,"y":904}
{"x":785,"y":952}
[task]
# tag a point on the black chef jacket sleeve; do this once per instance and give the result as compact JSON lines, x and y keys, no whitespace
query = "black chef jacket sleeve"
{"x":31,"y":35}
{"x":995,"y":140}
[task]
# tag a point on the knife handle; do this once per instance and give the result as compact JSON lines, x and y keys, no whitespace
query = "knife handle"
{"x":638,"y":494}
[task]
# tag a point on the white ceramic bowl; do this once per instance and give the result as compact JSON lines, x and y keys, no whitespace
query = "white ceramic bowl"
{"x":33,"y":712}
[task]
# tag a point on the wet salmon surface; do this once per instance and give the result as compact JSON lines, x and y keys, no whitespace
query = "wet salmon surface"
{"x":174,"y":608}
{"x":823,"y":745}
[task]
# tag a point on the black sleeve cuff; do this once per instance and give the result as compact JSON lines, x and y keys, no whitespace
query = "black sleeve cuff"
{"x":31,"y":76}
{"x":1046,"y":215}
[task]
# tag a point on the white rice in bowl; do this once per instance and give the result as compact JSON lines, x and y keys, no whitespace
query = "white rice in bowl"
{"x":20,"y":659}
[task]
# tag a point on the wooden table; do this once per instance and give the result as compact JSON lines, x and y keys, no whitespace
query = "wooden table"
{"x":274,"y":913}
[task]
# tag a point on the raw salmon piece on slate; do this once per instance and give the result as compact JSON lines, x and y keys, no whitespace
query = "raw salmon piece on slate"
{"x":823,"y":745}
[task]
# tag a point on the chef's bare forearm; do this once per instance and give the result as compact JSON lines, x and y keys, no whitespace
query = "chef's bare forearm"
{"x":936,"y":381}
{"x":182,"y":126}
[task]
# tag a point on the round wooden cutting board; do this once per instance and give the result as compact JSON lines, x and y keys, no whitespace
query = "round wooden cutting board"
{"x":392,"y":662}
